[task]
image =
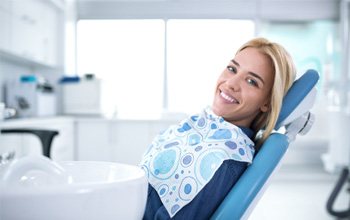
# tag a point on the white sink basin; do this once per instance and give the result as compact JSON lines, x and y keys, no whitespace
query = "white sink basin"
{"x":37,"y":188}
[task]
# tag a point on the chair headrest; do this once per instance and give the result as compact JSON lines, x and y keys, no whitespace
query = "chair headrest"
{"x":299,"y":98}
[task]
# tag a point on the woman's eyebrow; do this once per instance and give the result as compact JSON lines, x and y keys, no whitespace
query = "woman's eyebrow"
{"x":251,"y":73}
{"x":235,"y":62}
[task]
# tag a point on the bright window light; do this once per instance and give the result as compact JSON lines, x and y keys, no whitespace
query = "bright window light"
{"x":198,"y":51}
{"x":128,"y":55}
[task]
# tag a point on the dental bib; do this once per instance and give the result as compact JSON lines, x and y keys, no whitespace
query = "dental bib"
{"x":183,"y":159}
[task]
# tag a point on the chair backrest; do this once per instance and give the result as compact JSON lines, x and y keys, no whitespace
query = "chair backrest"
{"x":295,"y":117}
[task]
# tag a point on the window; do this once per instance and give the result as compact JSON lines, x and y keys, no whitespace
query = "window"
{"x":198,"y":51}
{"x":132,"y":57}
{"x":128,"y":55}
{"x":313,"y":44}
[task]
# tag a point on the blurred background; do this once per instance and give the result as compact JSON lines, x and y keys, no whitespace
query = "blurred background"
{"x":104,"y":72}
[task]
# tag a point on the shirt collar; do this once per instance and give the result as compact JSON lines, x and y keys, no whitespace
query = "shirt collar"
{"x":249,"y":132}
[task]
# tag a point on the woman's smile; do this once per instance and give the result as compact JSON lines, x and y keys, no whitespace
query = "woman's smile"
{"x":228,"y":98}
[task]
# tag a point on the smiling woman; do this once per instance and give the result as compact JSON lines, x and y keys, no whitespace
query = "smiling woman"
{"x":202,"y":157}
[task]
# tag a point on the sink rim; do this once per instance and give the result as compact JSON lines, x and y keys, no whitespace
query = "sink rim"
{"x":138,"y":175}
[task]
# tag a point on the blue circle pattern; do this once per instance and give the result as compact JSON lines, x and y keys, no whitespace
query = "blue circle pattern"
{"x":210,"y":163}
{"x":188,"y":188}
{"x":194,"y":139}
{"x":197,"y":146}
{"x":163,"y":190}
{"x":164,"y":162}
{"x":231,"y":144}
{"x":187,"y":160}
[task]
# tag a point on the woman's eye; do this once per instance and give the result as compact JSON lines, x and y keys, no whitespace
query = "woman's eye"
{"x":252,"y":82}
{"x":232,"y":69}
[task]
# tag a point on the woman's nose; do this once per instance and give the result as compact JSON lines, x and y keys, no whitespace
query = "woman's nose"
{"x":234,"y":82}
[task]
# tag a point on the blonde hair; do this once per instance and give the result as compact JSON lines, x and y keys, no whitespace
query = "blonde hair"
{"x":284,"y":75}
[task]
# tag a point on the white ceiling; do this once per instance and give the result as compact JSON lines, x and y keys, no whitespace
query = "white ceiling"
{"x":294,"y":10}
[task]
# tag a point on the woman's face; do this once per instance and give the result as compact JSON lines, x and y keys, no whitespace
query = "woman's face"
{"x":244,"y":87}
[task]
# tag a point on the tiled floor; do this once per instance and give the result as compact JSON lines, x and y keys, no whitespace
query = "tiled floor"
{"x":299,"y":193}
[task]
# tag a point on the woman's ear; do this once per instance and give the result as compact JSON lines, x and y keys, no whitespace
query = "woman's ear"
{"x":265,"y":107}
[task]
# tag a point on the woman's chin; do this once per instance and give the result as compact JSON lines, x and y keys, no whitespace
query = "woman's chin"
{"x":219,"y":111}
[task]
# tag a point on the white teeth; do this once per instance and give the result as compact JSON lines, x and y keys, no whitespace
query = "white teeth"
{"x":228,"y":98}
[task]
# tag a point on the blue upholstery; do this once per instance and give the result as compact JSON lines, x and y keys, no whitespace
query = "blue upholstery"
{"x":250,"y":183}
{"x":253,"y":180}
{"x":296,"y":93}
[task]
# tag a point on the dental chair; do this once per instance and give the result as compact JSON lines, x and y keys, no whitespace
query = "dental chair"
{"x":294,"y":119}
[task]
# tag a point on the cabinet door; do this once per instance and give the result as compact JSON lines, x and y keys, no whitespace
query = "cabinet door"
{"x":94,"y":140}
{"x":5,"y":29}
{"x":131,"y":141}
{"x":49,"y":30}
{"x":25,"y":20}
{"x":5,"y":5}
{"x":34,"y":31}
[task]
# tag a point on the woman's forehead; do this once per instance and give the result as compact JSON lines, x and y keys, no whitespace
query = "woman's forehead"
{"x":252,"y":60}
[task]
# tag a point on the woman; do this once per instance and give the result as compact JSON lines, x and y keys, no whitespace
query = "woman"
{"x":192,"y":166}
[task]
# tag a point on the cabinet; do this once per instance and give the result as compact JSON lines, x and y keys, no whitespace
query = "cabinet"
{"x":95,"y":139}
{"x":30,"y":29}
{"x":86,"y":139}
{"x":122,"y":141}
{"x":5,"y":25}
